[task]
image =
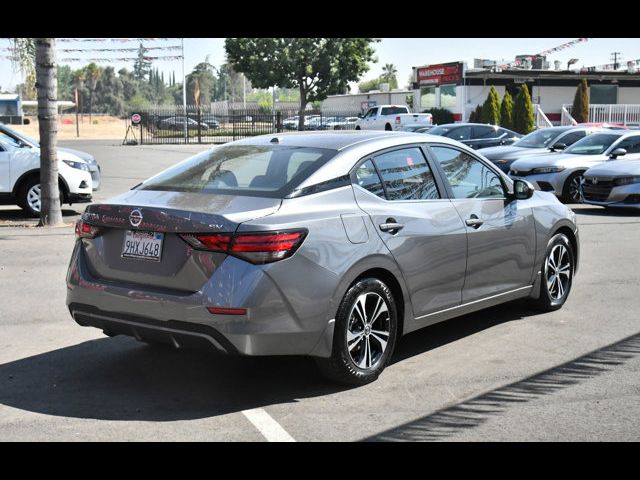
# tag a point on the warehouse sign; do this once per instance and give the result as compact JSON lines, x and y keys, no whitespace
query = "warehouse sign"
{"x":435,"y":75}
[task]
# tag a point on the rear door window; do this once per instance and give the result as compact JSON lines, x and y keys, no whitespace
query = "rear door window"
{"x":393,"y":110}
{"x":481,"y":132}
{"x":461,"y":133}
{"x":406,"y":175}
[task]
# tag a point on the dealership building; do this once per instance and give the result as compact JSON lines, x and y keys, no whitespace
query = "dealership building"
{"x":614,"y":95}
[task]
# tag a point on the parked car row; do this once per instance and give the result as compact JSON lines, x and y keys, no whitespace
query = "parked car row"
{"x":597,"y":164}
{"x":320,"y":122}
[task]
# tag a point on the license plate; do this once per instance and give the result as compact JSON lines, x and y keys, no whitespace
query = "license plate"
{"x":142,"y":245}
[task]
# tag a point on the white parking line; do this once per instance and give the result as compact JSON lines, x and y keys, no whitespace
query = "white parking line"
{"x":267,"y":426}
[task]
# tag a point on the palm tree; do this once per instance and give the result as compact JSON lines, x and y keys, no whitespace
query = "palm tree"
{"x":389,"y":72}
{"x":93,"y":73}
{"x":39,"y":55}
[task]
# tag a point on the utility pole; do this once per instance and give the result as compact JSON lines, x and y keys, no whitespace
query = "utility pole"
{"x":614,"y":57}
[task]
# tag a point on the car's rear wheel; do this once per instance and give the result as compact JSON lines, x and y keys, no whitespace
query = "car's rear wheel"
{"x":572,"y":191}
{"x":557,"y":274}
{"x":364,"y":334}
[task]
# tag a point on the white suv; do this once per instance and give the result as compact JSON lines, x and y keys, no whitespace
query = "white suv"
{"x":20,"y":176}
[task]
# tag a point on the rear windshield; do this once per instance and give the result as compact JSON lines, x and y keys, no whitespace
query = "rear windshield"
{"x":393,"y":110}
{"x":257,"y":170}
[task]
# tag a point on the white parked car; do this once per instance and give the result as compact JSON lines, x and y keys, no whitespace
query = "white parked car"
{"x":20,"y":176}
{"x":392,"y":117}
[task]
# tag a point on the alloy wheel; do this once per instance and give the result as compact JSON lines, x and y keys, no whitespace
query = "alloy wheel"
{"x":575,"y":189}
{"x":368,"y":330}
{"x":558,"y":272}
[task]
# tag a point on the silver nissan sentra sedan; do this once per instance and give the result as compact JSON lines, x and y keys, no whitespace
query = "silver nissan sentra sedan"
{"x":328,"y":244}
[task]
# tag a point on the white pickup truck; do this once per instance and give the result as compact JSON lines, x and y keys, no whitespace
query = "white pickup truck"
{"x":392,"y":117}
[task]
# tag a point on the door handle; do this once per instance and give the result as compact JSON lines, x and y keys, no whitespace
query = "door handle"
{"x":474,"y":221}
{"x":391,"y":226}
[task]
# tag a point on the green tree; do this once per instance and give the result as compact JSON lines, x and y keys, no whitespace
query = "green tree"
{"x":441,"y":116}
{"x":491,"y":108}
{"x":523,"y":117}
{"x":317,"y":67}
{"x":368,"y":85}
{"x":204,"y":73}
{"x":92,"y":74}
{"x":65,"y":83}
{"x":39,"y":55}
{"x":506,"y":111}
{"x":476,"y":115}
{"x":142,"y":66}
{"x":580,"y":110}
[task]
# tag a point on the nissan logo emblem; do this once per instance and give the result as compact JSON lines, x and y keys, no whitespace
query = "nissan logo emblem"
{"x":135,"y":217}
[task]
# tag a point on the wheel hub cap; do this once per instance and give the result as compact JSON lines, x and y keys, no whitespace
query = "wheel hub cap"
{"x":368,"y":330}
{"x":558,"y":272}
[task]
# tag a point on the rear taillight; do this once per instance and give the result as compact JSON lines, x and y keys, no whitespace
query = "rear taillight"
{"x":84,"y":230}
{"x":397,"y":120}
{"x":255,"y":247}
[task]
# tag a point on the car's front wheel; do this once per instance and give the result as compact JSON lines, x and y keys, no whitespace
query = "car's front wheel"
{"x":572,"y":191}
{"x":30,"y":197}
{"x":364,"y":335}
{"x":557,"y":274}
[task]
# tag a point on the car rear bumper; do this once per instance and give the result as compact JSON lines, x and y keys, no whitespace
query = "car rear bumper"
{"x":271,"y":325}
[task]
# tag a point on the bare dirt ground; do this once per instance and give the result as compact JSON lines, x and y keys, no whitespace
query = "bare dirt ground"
{"x":99,"y":128}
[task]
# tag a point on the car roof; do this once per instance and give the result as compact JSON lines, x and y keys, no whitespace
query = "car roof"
{"x":339,"y":139}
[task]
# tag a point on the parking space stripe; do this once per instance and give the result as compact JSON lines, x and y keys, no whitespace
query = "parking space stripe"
{"x":267,"y":426}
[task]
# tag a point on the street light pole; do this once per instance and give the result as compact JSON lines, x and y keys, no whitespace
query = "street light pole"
{"x":184,"y":94}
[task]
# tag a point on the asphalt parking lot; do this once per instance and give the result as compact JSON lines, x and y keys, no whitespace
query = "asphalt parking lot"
{"x":505,"y":373}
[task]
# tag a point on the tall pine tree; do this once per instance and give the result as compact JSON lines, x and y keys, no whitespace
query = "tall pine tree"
{"x":580,"y":110}
{"x":491,"y":108}
{"x":506,"y":111}
{"x":523,"y":116}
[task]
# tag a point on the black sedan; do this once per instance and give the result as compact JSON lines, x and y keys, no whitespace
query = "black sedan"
{"x":476,"y":135}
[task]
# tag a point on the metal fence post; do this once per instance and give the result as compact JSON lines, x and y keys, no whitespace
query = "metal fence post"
{"x":278,"y":122}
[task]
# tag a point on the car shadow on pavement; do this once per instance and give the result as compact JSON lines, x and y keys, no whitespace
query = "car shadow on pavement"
{"x":449,"y":331}
{"x":121,"y":379}
{"x":596,"y":211}
{"x":477,"y":410}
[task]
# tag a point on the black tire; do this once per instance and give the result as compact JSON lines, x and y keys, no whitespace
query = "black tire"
{"x":568,"y":192}
{"x":387,"y":127}
{"x":341,"y":367}
{"x":547,"y":300}
{"x":23,"y":191}
{"x":358,"y":127}
{"x":22,"y":196}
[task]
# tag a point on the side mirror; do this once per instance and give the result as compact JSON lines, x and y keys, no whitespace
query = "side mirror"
{"x":522,"y":190}
{"x":360,"y":115}
{"x":618,"y":152}
{"x":557,"y":146}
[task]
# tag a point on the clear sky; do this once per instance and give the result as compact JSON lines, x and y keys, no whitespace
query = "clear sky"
{"x":404,"y":53}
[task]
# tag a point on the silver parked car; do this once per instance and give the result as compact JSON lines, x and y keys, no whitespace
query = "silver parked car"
{"x":562,"y":173}
{"x":538,"y":142}
{"x":613,"y":184}
{"x":329,"y":244}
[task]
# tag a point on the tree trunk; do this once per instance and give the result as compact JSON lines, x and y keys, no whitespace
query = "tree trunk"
{"x":303,"y":106}
{"x":47,"y":88}
{"x":90,"y":107}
